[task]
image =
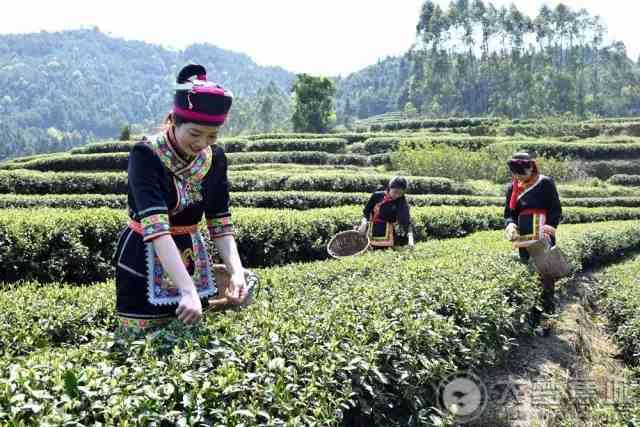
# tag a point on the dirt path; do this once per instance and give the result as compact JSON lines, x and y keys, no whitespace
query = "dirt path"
{"x":559,"y":379}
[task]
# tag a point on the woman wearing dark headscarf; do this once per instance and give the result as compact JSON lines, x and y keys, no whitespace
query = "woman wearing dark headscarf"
{"x":386,"y":217}
{"x":162,"y":265}
{"x":532,"y":213}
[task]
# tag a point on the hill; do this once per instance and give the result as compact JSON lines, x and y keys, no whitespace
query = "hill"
{"x":61,"y":88}
{"x":477,"y":59}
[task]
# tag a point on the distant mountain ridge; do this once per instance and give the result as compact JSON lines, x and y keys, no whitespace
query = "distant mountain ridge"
{"x":74,"y":84}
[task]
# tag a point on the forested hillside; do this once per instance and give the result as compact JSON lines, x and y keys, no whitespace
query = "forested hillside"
{"x":58,"y":89}
{"x":476,"y":59}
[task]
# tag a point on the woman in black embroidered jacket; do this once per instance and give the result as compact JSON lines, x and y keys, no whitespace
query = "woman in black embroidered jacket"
{"x":384,"y":210}
{"x":162,"y":265}
{"x":532,"y":212}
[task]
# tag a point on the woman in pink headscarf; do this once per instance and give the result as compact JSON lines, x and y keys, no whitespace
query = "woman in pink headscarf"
{"x":162,"y":265}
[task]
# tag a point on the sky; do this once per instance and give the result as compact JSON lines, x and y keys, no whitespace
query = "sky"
{"x":328,"y":37}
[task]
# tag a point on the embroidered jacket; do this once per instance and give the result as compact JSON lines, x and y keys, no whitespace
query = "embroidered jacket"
{"x":537,"y":206}
{"x":169,"y":195}
{"x":382,"y":214}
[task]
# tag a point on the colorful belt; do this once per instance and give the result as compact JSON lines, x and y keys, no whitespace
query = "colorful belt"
{"x":533,"y":212}
{"x":539,"y":220}
{"x":174,"y":230}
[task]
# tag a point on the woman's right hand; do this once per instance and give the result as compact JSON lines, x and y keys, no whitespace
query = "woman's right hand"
{"x":190,"y":308}
{"x":237,"y":288}
{"x":511,"y":232}
{"x":362,"y":228}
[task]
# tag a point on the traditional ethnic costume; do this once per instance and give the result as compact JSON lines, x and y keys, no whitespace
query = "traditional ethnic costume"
{"x":531,"y":205}
{"x":389,"y":221}
{"x":168,"y":195}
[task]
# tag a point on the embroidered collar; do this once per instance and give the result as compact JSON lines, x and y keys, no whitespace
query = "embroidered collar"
{"x":531,"y":187}
{"x":376,"y":209}
{"x":194,"y":170}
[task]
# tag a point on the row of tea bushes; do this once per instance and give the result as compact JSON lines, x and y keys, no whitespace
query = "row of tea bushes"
{"x":582,"y":130}
{"x":299,"y":200}
{"x":606,"y":169}
{"x":388,"y":144}
{"x":627,"y":180}
{"x":75,"y":245}
{"x":298,"y":157}
{"x":119,"y":161}
{"x":349,"y":137}
{"x":327,"y":145}
{"x":75,"y":163}
{"x":573,"y":190}
{"x":34,"y":182}
{"x":449,"y":123}
{"x":619,"y":298}
{"x":104,"y":147}
{"x":232,"y":145}
{"x":297,"y":169}
{"x":573,"y":150}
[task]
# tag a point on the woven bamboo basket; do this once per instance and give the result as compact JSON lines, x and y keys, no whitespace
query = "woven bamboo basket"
{"x":222,"y":278}
{"x":347,"y":243}
{"x":549,"y":261}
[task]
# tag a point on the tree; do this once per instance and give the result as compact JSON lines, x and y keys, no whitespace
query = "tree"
{"x":313,"y":103}
{"x":266,"y":114}
{"x":348,"y":113}
{"x":125,"y":135}
{"x":410,"y":110}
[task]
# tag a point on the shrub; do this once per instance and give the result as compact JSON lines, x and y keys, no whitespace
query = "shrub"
{"x":31,"y":182}
{"x":606,"y":169}
{"x":387,"y":144}
{"x":50,"y":245}
{"x":444,"y":161}
{"x":327,"y":145}
{"x":104,"y":147}
{"x":582,"y":150}
{"x":627,"y":180}
{"x":619,"y":299}
{"x":299,"y":200}
{"x":119,"y":161}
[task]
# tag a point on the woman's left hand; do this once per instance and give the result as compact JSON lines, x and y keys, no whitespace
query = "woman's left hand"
{"x":237,"y":289}
{"x":549,"y":230}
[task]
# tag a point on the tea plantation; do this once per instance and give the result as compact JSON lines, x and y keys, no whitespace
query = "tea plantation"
{"x":351,"y":342}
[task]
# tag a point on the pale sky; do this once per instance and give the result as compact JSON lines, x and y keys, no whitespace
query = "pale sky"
{"x":328,"y":37}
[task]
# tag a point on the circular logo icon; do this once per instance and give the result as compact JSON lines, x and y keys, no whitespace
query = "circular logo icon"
{"x":462,"y":395}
